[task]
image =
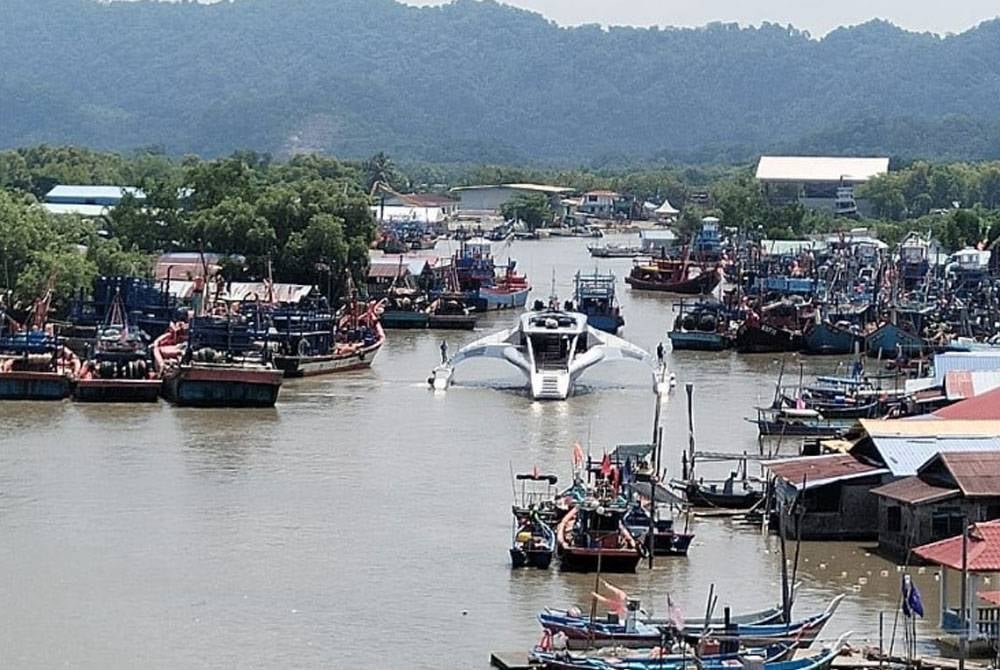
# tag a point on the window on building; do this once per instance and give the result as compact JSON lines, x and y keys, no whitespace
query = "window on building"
{"x":895,"y":518}
{"x":825,"y":499}
{"x":947,"y":522}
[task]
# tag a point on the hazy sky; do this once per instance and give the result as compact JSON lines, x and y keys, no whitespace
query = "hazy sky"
{"x":816,"y":16}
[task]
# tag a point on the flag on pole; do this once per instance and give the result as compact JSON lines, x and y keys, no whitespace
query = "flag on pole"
{"x":912,"y":604}
{"x":577,"y":454}
{"x":606,"y":466}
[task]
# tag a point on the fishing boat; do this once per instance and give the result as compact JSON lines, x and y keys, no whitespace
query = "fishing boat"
{"x":581,"y":632}
{"x":539,"y":497}
{"x":534,"y":543}
{"x":889,"y":340}
{"x":34,"y":364}
{"x":593,"y":536}
{"x":732,"y":493}
{"x":119,"y":367}
{"x":796,"y":422}
{"x":551,"y":346}
{"x":449,"y":311}
{"x":509,"y":291}
{"x":666,"y":540}
{"x":758,"y":337}
{"x":594,"y":295}
{"x":614,"y":251}
{"x":827,"y":339}
{"x":700,"y":326}
{"x":774,"y":657}
{"x":213,"y":361}
{"x":311,"y":343}
{"x":674,"y":276}
{"x":487,"y":287}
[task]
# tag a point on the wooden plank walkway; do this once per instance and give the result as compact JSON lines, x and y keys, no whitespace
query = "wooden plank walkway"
{"x":511,"y":660}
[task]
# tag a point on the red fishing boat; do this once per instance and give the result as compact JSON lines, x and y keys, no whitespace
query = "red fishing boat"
{"x":593,"y":536}
{"x":674,"y":276}
{"x":351,"y":344}
{"x":34,"y":364}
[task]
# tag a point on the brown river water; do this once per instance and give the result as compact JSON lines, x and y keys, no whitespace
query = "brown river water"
{"x":364,"y":521}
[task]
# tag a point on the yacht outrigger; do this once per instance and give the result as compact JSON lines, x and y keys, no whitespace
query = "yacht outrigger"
{"x":551,"y":346}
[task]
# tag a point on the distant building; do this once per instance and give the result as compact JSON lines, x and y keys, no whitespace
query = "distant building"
{"x":657,"y":242}
{"x":445,"y":205}
{"x":87,"y":201}
{"x":819,"y":182}
{"x":605,"y":204}
{"x":487,"y":200}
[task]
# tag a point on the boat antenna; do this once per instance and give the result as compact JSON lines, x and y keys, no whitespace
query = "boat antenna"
{"x":553,"y":297}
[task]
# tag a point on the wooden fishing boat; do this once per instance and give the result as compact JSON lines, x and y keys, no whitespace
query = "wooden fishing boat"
{"x":34,"y":364}
{"x":774,"y":657}
{"x":510,"y":291}
{"x":701,"y":326}
{"x":593,"y":536}
{"x":449,"y":311}
{"x":594,"y":295}
{"x":666,"y":540}
{"x":727,"y":494}
{"x":674,"y":276}
{"x":829,"y":339}
{"x":791,"y":422}
{"x":614,"y":251}
{"x":534,"y":543}
{"x":349,"y":341}
{"x":890,"y":339}
{"x":120,"y":367}
{"x":213,"y":362}
{"x":581,"y":632}
{"x":757,"y":337}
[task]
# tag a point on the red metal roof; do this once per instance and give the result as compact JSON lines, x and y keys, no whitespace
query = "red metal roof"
{"x":821,"y":469}
{"x":914,"y":491}
{"x":976,"y":473}
{"x":983,"y":553}
{"x":992,"y":597}
{"x":983,"y":407}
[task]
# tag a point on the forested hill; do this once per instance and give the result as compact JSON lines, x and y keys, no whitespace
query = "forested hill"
{"x":481,"y":82}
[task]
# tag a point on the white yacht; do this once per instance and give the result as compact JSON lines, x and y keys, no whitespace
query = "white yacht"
{"x":552,"y":347}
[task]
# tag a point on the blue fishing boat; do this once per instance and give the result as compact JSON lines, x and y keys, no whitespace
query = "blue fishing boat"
{"x":534,"y":543}
{"x":774,"y":657}
{"x":148,"y":305}
{"x":594,"y":296}
{"x":118,"y":367}
{"x":581,"y":632}
{"x":829,"y":339}
{"x":889,"y":340}
{"x":34,"y":364}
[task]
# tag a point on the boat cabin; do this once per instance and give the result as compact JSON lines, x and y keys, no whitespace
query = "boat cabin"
{"x":554,"y":337}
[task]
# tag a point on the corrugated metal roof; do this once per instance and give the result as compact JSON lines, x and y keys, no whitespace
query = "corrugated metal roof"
{"x":821,"y":470}
{"x":914,"y":491}
{"x":964,"y":360}
{"x":75,"y":208}
{"x":67,"y":191}
{"x":820,"y":168}
{"x":983,"y":549}
{"x":541,"y":188}
{"x":661,"y":234}
{"x":784,"y":247}
{"x":903,"y":428}
{"x":980,"y":407}
{"x":977,"y":474}
{"x":905,"y":455}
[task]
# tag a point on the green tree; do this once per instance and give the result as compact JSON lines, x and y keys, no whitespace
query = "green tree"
{"x":534,"y":210}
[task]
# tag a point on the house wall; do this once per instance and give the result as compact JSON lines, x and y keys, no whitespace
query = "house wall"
{"x":490,"y":199}
{"x":916,"y":523}
{"x":837,"y":511}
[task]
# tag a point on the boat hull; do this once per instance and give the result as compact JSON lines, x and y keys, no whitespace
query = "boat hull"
{"x":312,"y":366}
{"x":888,"y":340}
{"x":575,"y":559}
{"x":197,"y":386}
{"x":766,"y":339}
{"x":540,"y":559}
{"x":702,"y":496}
{"x":609,"y":323}
{"x":797,"y":429}
{"x":698,"y":341}
{"x":494,"y":300}
{"x":703,"y":283}
{"x":826,"y":340}
{"x":401,"y":320}
{"x":117,"y":390}
{"x":34,"y":386}
{"x":451,"y":322}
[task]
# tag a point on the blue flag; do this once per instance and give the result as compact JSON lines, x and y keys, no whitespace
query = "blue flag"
{"x":912,"y":605}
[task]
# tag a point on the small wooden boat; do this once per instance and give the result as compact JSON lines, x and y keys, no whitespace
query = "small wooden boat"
{"x":614,"y":251}
{"x":120,"y":368}
{"x":666,"y":541}
{"x":592,"y":536}
{"x":798,"y":423}
{"x":449,"y":311}
{"x":534,"y":543}
{"x":727,"y":494}
{"x":213,"y":362}
{"x":673,"y":276}
{"x":889,"y":340}
{"x":510,"y":291}
{"x":758,"y":337}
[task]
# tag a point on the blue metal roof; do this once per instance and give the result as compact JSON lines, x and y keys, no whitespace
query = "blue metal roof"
{"x":965,"y":361}
{"x":904,"y":455}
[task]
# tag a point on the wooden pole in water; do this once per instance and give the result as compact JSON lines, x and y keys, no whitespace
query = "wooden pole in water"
{"x":689,"y":388}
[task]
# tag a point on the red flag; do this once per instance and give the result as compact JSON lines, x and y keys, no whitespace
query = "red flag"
{"x":606,"y":466}
{"x":577,"y":454}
